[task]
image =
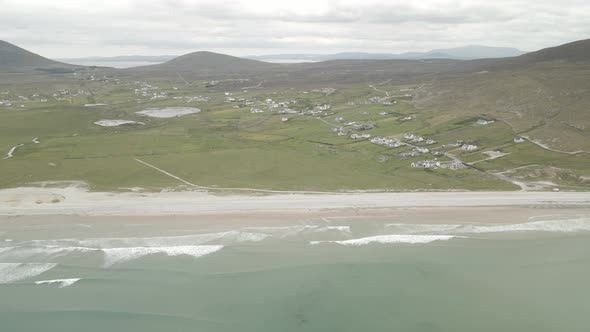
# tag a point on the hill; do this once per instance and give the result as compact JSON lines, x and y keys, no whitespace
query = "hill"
{"x":214,"y":66}
{"x":214,"y":61}
{"x":123,"y":58}
{"x":575,"y":51}
{"x":14,"y":59}
{"x":201,"y":65}
{"x":543,"y":94}
{"x":330,"y":125}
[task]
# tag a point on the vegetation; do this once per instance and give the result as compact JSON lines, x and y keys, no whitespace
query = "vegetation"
{"x":293,"y":141}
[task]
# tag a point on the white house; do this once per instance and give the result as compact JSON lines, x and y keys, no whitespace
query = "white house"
{"x":426,"y":164}
{"x":483,"y":122}
{"x":357,"y":136}
{"x":454,"y":165}
{"x":421,"y":150}
{"x":469,"y":147}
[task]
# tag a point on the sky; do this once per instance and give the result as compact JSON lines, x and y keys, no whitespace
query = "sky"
{"x":80,"y":28}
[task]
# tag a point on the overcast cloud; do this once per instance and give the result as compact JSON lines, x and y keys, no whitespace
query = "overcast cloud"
{"x":68,"y":29}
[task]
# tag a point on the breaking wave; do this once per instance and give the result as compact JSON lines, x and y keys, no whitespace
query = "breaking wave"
{"x":391,"y":239}
{"x":120,"y":250}
{"x":26,"y":252}
{"x":421,"y":228}
{"x":160,"y":241}
{"x":122,"y":255}
{"x":553,"y":225}
{"x":11,"y":272}
{"x":60,"y":283}
{"x":112,"y":255}
{"x":566,"y":225}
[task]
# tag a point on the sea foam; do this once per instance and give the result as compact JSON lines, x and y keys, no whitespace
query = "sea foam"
{"x":577,"y":224}
{"x":160,"y":241}
{"x":60,"y":283}
{"x":28,"y":252}
{"x":11,"y":272}
{"x":564,"y":225}
{"x":421,"y":228}
{"x":122,"y":255}
{"x":391,"y":239}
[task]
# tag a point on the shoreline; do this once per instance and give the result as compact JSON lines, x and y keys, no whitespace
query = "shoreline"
{"x":26,"y":201}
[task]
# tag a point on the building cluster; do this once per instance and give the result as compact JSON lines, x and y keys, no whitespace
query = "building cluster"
{"x":287,"y":111}
{"x":418,"y":139}
{"x":389,"y":142}
{"x":200,"y":99}
{"x":426,"y":164}
{"x":380,"y":100}
{"x":147,"y":90}
{"x":325,"y":91}
{"x":435,"y":163}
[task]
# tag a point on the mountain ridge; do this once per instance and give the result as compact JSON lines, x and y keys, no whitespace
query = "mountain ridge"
{"x":468,"y":52}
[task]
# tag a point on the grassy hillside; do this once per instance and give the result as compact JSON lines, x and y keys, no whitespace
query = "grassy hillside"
{"x":546,"y":97}
{"x":267,"y":126}
{"x":14,"y":59}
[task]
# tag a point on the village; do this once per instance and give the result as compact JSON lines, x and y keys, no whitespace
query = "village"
{"x":418,"y":150}
{"x":437,"y":156}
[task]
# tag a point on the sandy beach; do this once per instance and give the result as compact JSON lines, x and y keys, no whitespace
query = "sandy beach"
{"x":77,"y":201}
{"x":383,"y":259}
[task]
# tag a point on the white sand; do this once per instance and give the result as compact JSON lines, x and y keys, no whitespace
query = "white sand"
{"x":115,"y":123}
{"x":75,"y":200}
{"x":168,"y":112}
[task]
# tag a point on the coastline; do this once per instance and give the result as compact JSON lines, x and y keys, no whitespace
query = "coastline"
{"x":29,"y":201}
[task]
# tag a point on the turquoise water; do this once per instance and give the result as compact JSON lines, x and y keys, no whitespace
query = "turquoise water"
{"x":528,"y":277}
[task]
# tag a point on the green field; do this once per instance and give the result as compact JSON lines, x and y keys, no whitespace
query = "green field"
{"x":227,"y":146}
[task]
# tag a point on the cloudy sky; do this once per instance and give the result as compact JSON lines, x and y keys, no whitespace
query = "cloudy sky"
{"x":77,"y":28}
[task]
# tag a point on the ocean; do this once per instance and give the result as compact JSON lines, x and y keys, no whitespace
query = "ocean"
{"x":327,"y":274}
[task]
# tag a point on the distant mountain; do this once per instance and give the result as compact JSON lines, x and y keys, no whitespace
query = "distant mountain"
{"x":211,"y":60}
{"x":123,"y":58}
{"x":16,"y":59}
{"x":457,"y":53}
{"x":198,"y":65}
{"x":474,"y":52}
